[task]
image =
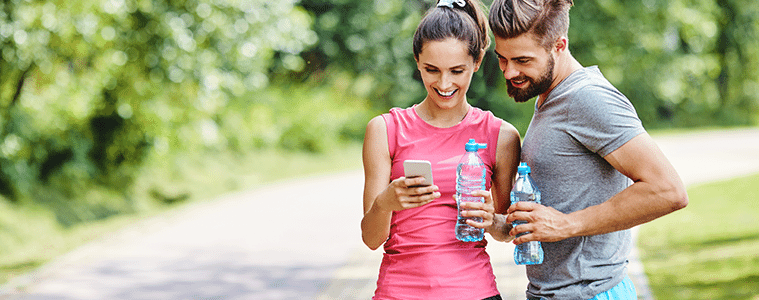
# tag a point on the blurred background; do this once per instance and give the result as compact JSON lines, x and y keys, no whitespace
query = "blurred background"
{"x":117,"y":109}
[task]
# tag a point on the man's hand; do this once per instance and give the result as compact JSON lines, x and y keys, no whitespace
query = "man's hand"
{"x":544,"y":223}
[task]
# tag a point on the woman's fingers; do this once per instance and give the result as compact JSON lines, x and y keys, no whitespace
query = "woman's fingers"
{"x":415,"y":196}
{"x":484,"y":210}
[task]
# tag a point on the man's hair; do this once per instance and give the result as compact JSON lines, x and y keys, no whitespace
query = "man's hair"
{"x":467,"y":24}
{"x":547,"y":20}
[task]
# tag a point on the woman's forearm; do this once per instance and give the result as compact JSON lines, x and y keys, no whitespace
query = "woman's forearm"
{"x":375,"y":226}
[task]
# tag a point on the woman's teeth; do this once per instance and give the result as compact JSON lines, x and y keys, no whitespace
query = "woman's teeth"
{"x":448,"y":94}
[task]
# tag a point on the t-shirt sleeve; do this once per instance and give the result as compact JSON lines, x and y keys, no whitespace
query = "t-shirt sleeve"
{"x":602,"y":119}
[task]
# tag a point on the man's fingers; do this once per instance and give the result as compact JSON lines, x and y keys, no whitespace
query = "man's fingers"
{"x":523,"y":206}
{"x":519,"y":216}
{"x":524,"y":239}
{"x":522,"y":228}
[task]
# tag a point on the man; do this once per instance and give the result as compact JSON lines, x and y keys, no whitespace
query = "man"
{"x":598,"y":170}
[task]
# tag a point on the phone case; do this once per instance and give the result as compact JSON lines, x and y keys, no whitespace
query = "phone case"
{"x":413,"y":168}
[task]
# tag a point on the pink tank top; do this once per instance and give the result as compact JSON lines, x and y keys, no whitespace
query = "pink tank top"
{"x":423,"y":259}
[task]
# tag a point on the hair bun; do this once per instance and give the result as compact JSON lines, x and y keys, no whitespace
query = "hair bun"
{"x":449,"y":3}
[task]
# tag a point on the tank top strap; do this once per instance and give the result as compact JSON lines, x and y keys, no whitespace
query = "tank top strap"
{"x":392,"y":129}
{"x":493,"y":131}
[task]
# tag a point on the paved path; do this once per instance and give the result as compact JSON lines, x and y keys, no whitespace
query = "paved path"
{"x":296,"y":240}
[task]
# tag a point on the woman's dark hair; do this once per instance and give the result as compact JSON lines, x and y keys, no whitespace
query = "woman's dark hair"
{"x":467,"y":24}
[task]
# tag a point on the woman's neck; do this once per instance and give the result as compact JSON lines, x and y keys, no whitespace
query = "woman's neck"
{"x":442,"y":117}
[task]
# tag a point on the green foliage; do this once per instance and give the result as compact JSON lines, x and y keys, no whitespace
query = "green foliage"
{"x":681,"y":63}
{"x":709,"y":250}
{"x":89,"y":89}
{"x":372,"y":40}
{"x":94,"y":95}
{"x":295,"y":117}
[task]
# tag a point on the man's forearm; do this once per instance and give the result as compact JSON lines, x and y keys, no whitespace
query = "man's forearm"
{"x":638,"y":204}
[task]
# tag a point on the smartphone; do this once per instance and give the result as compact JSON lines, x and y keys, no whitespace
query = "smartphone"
{"x":414,"y":168}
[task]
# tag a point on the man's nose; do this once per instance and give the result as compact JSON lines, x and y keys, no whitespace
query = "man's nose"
{"x":509,"y":72}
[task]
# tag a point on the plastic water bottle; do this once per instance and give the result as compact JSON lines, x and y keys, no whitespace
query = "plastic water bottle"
{"x":470,"y":177}
{"x":530,"y":253}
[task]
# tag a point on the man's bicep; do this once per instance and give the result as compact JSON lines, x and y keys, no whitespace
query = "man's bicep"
{"x":640,"y":159}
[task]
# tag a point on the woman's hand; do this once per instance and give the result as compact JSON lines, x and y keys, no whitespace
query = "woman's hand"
{"x":485,"y":210}
{"x":404,"y":193}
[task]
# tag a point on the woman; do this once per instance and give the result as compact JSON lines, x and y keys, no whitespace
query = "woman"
{"x":423,"y":259}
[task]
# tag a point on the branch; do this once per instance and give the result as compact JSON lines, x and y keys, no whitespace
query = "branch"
{"x":19,"y":87}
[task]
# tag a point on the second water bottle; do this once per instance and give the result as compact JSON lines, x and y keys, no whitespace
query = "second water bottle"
{"x":530,"y":253}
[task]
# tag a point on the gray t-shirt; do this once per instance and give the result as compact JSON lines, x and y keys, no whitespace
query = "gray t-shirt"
{"x":582,"y":120}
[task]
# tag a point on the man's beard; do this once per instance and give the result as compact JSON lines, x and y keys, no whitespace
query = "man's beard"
{"x":534,"y":88}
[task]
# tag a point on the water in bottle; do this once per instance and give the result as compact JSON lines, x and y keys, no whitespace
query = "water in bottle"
{"x":530,"y":253}
{"x":470,"y":177}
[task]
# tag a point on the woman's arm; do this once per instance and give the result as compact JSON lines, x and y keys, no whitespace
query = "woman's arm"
{"x":508,"y":155}
{"x":382,"y":196}
{"x":375,"y":226}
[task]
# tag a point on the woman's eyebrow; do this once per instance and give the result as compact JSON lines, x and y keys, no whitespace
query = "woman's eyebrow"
{"x":454,"y":67}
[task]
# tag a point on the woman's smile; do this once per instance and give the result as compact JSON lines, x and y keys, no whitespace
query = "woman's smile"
{"x":446,"y":94}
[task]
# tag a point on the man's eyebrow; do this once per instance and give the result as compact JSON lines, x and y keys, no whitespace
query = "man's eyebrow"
{"x":513,"y":58}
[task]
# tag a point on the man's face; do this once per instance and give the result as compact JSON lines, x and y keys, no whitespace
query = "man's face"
{"x":527,"y":67}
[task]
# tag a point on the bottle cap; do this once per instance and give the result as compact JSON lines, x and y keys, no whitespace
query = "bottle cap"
{"x":472,"y":146}
{"x":523,"y":168}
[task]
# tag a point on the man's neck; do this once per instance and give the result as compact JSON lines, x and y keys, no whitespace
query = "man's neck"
{"x":566,"y":64}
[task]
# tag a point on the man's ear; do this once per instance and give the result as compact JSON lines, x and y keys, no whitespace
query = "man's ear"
{"x":561,"y":44}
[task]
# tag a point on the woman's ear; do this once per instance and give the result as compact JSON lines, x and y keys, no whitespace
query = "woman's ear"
{"x":479,"y":60}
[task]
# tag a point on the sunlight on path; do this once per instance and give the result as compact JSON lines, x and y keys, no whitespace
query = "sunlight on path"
{"x":299,"y":239}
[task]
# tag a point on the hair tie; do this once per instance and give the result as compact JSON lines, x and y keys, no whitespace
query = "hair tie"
{"x":449,"y":3}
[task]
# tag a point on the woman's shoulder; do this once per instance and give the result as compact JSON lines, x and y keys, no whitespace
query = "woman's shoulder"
{"x":508,"y":128}
{"x":376,"y":120}
{"x":504,"y":125}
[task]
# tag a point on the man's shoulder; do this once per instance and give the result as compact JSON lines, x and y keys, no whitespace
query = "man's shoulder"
{"x":587,"y":88}
{"x":586,"y":81}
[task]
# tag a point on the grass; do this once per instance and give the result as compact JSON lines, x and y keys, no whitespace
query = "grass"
{"x":710,"y":249}
{"x":31,"y":235}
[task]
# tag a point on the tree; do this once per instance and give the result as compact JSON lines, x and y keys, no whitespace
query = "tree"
{"x":682,"y":62}
{"x":89,"y":89}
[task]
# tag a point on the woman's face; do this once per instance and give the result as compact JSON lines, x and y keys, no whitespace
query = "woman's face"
{"x":446,"y":68}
